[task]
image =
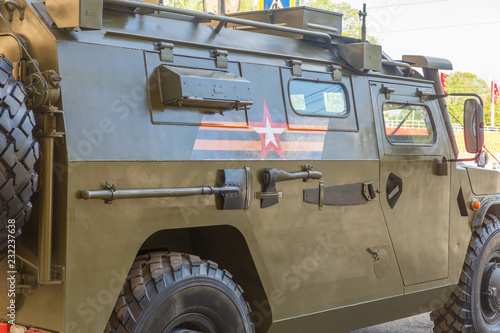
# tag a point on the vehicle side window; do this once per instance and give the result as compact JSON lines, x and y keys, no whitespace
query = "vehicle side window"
{"x":318,"y":98}
{"x":408,"y":124}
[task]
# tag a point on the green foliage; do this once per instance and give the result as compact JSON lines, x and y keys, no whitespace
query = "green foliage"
{"x":248,"y":5}
{"x":187,"y":4}
{"x":245,"y":5}
{"x":351,"y":25}
{"x":461,"y":82}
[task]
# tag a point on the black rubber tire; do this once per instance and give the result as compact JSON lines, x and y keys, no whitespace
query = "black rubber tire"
{"x":164,"y":289}
{"x":469,"y":309}
{"x":18,"y":154}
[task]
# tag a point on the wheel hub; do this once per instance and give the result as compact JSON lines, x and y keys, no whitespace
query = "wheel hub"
{"x":191,"y":323}
{"x":490,"y":298}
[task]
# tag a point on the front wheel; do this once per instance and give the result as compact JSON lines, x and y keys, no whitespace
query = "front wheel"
{"x":174,"y":293}
{"x":474,"y":306}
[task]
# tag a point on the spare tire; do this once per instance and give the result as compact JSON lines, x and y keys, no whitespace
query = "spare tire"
{"x":18,"y":154}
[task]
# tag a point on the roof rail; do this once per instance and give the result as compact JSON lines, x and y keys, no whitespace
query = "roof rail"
{"x":221,"y":18}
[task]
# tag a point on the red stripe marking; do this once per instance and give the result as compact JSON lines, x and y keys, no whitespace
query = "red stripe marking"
{"x":239,"y":145}
{"x":241,"y":126}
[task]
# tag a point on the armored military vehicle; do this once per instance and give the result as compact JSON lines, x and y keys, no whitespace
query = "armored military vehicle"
{"x":157,"y":162}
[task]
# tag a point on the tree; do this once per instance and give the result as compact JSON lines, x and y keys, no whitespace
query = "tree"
{"x":462,"y":82}
{"x":245,"y":5}
{"x":248,"y":5}
{"x":187,"y":4}
{"x":351,"y":25}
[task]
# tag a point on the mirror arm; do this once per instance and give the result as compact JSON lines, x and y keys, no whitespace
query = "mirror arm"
{"x":434,"y":97}
{"x":446,"y":160}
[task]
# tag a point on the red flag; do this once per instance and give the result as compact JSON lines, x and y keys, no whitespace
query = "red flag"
{"x":444,"y":77}
{"x":495,"y":92}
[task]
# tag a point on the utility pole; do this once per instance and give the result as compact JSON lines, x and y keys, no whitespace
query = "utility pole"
{"x":222,"y":7}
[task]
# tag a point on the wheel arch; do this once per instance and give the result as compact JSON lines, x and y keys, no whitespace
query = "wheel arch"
{"x":225,"y":245}
{"x":489,"y":205}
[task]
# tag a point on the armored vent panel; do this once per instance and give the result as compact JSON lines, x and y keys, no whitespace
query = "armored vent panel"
{"x":206,"y":88}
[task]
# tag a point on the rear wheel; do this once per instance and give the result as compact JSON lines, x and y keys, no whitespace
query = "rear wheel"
{"x":179,"y":293}
{"x":474,"y":306}
{"x":18,"y":154}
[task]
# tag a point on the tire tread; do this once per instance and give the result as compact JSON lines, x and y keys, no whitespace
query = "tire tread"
{"x":18,"y":154}
{"x":456,"y":314}
{"x":153,"y":273}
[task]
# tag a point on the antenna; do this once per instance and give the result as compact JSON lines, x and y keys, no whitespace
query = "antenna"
{"x":362,"y":15}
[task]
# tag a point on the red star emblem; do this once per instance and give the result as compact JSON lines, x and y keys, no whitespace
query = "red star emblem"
{"x":270,"y":133}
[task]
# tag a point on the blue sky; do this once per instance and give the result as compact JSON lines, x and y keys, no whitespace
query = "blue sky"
{"x":465,"y":32}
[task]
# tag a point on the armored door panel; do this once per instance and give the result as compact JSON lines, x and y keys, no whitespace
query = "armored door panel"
{"x":315,"y":253}
{"x":414,"y":198}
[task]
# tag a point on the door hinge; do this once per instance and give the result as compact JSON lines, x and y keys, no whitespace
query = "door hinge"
{"x":220,"y":58}
{"x":423,"y":95}
{"x":166,"y":51}
{"x":296,"y":67}
{"x":336,"y":72}
{"x":387,"y":91}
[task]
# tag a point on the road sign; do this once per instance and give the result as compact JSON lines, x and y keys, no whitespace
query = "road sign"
{"x":275,"y":4}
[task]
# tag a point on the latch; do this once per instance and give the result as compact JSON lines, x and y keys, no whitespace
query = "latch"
{"x":270,"y":177}
{"x":442,"y":167}
{"x":296,"y":67}
{"x":424,"y":95}
{"x":166,"y":51}
{"x":387,"y":91}
{"x":336,"y":72}
{"x":220,"y":58}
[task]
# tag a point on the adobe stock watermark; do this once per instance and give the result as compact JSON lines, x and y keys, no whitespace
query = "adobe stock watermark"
{"x":381,"y":17}
{"x":95,"y":304}
{"x":294,"y":277}
{"x":120,"y":111}
{"x":11,"y":270}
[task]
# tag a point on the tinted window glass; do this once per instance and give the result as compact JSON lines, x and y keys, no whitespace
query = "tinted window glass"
{"x":406,"y":123}
{"x":318,"y":98}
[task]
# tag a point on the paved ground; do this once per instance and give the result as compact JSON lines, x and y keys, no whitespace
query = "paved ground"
{"x":416,"y":324}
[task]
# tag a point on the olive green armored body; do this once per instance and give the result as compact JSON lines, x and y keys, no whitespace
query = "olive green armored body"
{"x":176,"y":171}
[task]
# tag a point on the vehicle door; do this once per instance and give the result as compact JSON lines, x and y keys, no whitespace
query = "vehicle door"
{"x":415,"y":198}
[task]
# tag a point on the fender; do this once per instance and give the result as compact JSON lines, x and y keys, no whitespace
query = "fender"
{"x":491,"y":202}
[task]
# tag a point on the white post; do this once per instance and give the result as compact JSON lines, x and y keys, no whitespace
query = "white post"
{"x":492,"y":104}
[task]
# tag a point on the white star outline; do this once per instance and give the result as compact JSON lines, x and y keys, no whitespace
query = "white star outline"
{"x":269,"y":132}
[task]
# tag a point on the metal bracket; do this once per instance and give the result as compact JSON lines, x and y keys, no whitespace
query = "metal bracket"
{"x":296,"y":67}
{"x":321,"y":201}
{"x":268,"y":195}
{"x":369,"y":191}
{"x":112,"y":188}
{"x":336,"y":72}
{"x":424,"y":96}
{"x":11,"y":6}
{"x":387,"y":91}
{"x":220,"y":58}
{"x":166,"y":51}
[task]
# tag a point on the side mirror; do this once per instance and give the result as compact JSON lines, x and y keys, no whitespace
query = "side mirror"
{"x":473,"y":126}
